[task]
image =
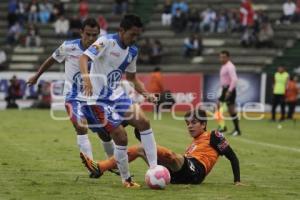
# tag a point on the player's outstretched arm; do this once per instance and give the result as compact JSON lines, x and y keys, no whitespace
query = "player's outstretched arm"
{"x":87,"y":86}
{"x":139,"y":87}
{"x":234,"y":161}
{"x":44,"y":67}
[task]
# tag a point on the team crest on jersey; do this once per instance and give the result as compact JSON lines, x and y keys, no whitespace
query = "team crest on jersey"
{"x":113,"y":78}
{"x":96,"y":48}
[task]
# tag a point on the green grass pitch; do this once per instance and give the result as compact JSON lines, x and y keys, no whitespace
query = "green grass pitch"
{"x":39,"y":160}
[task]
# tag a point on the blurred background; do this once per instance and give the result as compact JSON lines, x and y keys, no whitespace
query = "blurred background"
{"x":183,"y":38}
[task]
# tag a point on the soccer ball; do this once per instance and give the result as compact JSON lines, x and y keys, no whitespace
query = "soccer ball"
{"x":157,"y":177}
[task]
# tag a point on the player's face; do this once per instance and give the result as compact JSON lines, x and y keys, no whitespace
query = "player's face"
{"x":89,"y":35}
{"x":223,"y":58}
{"x":195,"y":127}
{"x":130,"y":36}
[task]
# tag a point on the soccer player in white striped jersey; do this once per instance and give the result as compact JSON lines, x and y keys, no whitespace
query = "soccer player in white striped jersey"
{"x":69,"y":52}
{"x":108,"y":104}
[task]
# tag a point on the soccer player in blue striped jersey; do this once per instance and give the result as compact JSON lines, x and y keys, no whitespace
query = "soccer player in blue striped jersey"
{"x":108,"y":104}
{"x":69,"y":52}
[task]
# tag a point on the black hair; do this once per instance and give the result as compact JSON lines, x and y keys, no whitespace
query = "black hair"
{"x":90,"y":22}
{"x":131,"y":20}
{"x":226,"y":53}
{"x":197,"y":114}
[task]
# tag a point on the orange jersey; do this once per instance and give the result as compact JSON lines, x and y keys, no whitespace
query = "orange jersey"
{"x":206,"y":148}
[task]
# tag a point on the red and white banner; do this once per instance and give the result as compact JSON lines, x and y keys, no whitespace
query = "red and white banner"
{"x":186,"y":89}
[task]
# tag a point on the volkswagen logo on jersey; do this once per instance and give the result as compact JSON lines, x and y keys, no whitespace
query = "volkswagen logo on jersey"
{"x":113,"y":78}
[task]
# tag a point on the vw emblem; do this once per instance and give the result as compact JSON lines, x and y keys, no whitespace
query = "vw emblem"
{"x":113,"y":78}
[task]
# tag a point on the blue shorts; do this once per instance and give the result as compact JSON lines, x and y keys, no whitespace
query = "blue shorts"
{"x":106,"y":115}
{"x":73,"y":108}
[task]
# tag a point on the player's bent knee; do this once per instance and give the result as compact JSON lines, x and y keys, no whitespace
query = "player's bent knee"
{"x":104,"y":136}
{"x":143,"y":124}
{"x":120,"y":138}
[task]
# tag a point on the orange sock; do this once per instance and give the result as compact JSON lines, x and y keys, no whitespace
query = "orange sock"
{"x":111,"y":163}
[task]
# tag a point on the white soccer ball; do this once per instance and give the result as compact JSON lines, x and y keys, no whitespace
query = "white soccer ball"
{"x":157,"y":177}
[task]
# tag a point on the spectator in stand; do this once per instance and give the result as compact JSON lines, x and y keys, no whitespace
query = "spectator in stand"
{"x":62,"y":26}
{"x":192,"y":46}
{"x":75,"y":26}
{"x":194,"y":20}
{"x":182,"y":5}
{"x":248,"y":38}
{"x":179,"y":21}
{"x":58,"y":10}
{"x":260,"y":18}
{"x":43,"y":96}
{"x":166,"y":17}
{"x":83,"y":9}
{"x":12,"y":12}
{"x":208,"y":20}
{"x":265,"y":36}
{"x":32,"y":38}
{"x":145,"y":51}
{"x":246,"y":14}
{"x":289,"y":12}
{"x":103,"y":25}
{"x":222,"y":22}
{"x":120,"y":7}
{"x":157,"y":52}
{"x":45,"y":11}
{"x":291,"y":96}
{"x":13,"y":93}
{"x":14,"y":34}
{"x":234,"y":24}
{"x":33,"y":10}
{"x":21,"y":15}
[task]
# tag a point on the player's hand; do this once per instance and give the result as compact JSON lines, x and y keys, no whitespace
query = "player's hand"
{"x":32,"y":80}
{"x":87,"y":88}
{"x":238,"y":183}
{"x":151,"y":97}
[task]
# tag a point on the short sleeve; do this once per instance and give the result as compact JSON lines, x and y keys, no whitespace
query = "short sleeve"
{"x":131,"y":68}
{"x":60,"y":53}
{"x":219,"y":142}
{"x":97,"y":49}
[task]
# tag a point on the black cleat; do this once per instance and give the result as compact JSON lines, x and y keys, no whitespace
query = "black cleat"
{"x":91,"y":165}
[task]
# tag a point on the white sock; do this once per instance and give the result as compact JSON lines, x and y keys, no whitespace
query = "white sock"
{"x":149,"y":145}
{"x":85,"y":145}
{"x":121,"y":156}
{"x":108,"y":148}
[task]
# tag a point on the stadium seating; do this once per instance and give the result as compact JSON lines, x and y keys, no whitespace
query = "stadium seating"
{"x":246,"y":59}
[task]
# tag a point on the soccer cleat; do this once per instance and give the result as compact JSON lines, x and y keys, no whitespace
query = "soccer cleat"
{"x":91,"y":165}
{"x":129,"y":183}
{"x":236,"y":133}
